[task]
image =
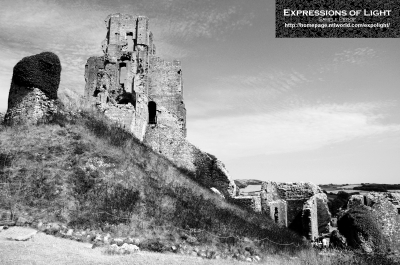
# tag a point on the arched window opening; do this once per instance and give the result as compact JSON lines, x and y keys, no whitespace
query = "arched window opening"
{"x":276,"y":215}
{"x":152,"y":112}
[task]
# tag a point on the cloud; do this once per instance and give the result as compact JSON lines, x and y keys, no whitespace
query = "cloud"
{"x":188,"y":20}
{"x":74,"y":30}
{"x":237,"y":94}
{"x":358,"y":56}
{"x":297,"y":129}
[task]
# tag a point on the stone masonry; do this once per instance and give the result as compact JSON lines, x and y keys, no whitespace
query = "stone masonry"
{"x":302,"y":207}
{"x":144,"y":94}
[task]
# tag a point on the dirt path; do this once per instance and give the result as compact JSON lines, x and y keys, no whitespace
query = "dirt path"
{"x":43,"y":249}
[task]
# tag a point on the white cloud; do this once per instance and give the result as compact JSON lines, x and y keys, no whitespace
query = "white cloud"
{"x":298,"y":129}
{"x":236,"y":94}
{"x":357,"y":56}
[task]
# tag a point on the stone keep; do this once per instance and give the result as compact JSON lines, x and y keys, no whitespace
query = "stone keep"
{"x":131,"y":84}
{"x":33,"y":91}
{"x":144,"y":94}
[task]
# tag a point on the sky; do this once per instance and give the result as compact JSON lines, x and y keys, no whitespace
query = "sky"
{"x":286,"y":110}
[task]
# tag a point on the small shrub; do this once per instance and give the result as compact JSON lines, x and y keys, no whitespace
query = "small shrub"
{"x":41,"y":70}
{"x":156,"y":245}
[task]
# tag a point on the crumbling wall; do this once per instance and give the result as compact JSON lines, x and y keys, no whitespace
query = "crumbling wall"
{"x":290,"y":190}
{"x":389,"y":220}
{"x":355,"y":200}
{"x":277,"y":210}
{"x":165,"y":87}
{"x":306,"y":205}
{"x":310,"y":218}
{"x":323,"y":213}
{"x":28,"y":106}
{"x":206,"y":169}
{"x":252,"y":203}
{"x":129,"y":73}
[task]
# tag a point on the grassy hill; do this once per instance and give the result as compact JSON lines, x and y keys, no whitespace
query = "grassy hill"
{"x":84,"y":171}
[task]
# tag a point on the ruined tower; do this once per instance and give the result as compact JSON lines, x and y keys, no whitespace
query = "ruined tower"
{"x":130,"y":84}
{"x":144,"y":94}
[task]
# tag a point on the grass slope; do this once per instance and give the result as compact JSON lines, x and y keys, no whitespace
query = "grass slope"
{"x":86,"y":172}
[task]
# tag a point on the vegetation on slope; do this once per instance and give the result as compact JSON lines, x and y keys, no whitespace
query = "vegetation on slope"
{"x":84,"y":171}
{"x":360,"y":227}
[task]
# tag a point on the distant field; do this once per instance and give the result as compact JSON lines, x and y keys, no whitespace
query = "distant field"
{"x":350,"y":188}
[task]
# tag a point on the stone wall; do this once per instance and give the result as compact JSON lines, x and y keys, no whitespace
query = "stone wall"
{"x":324,"y":215}
{"x":207,"y":170}
{"x":166,"y":88}
{"x":252,"y":203}
{"x":306,"y":206}
{"x":277,"y":211}
{"x":28,"y":105}
{"x":290,"y":190}
{"x":310,"y":219}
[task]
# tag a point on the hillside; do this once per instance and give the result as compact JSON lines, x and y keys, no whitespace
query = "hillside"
{"x":85,"y":172}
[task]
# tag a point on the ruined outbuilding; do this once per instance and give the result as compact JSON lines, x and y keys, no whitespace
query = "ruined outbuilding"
{"x":33,"y":92}
{"x":144,"y":94}
{"x":302,"y":207}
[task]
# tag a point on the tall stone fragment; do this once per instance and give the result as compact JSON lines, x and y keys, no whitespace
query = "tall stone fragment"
{"x":33,"y":91}
{"x":323,"y":213}
{"x":310,"y":219}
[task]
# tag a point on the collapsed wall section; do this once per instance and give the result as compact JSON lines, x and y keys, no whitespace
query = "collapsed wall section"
{"x":206,"y":169}
{"x":252,"y":203}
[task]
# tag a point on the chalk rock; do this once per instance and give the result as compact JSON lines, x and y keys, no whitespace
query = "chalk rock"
{"x":19,"y":234}
{"x":217,"y":192}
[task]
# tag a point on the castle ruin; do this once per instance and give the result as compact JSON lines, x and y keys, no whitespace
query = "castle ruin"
{"x":302,"y":207}
{"x":144,"y":94}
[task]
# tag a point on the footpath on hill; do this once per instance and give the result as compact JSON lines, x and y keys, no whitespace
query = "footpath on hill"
{"x":40,"y":248}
